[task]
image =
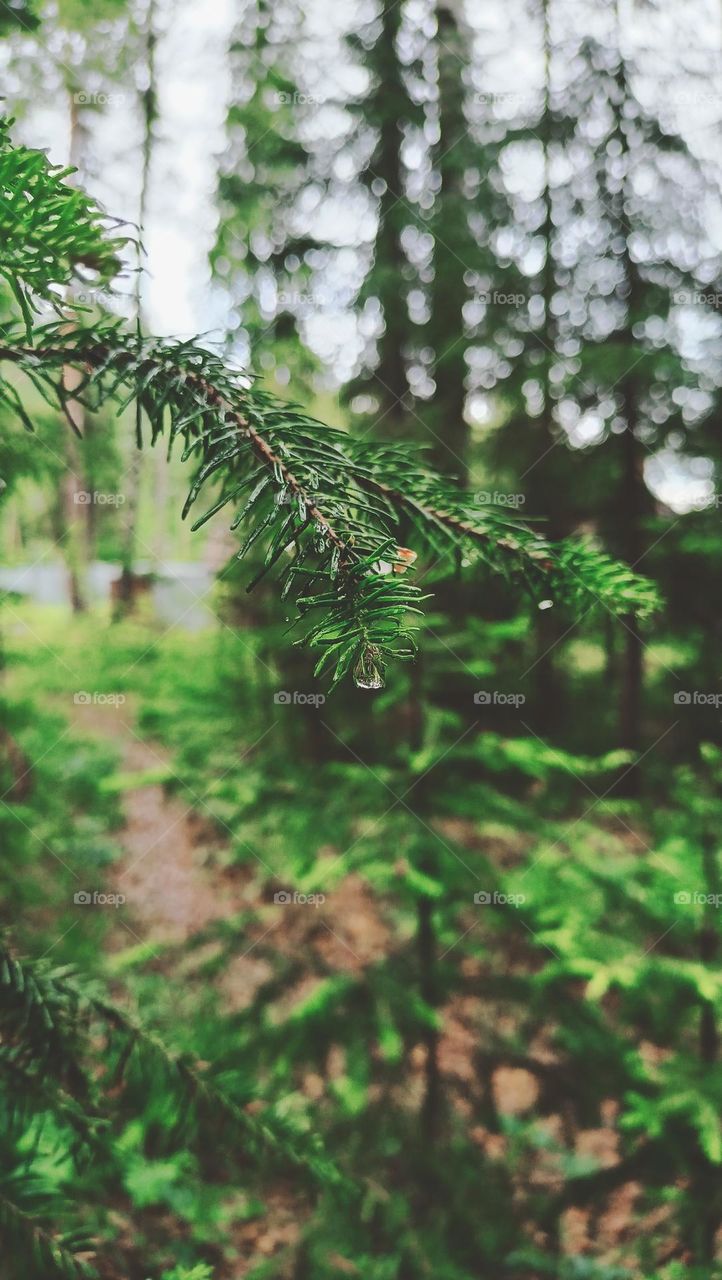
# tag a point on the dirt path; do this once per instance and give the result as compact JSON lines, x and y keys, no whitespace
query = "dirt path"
{"x":171,"y":889}
{"x":174,"y":887}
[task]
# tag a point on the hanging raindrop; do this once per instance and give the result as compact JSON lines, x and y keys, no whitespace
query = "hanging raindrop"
{"x":367,"y":672}
{"x":546,"y":604}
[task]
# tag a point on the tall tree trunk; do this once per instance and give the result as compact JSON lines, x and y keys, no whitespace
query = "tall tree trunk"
{"x":632,"y":506}
{"x":549,"y":685}
{"x":134,"y":474}
{"x":75,"y":504}
{"x":632,"y":492}
{"x":76,"y":500}
{"x":633,"y":497}
{"x":389,"y":382}
{"x":449,"y":431}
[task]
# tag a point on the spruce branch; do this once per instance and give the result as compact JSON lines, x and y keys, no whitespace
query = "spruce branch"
{"x":209,"y":1106}
{"x":29,"y":1092}
{"x":36,"y":1000}
{"x":50,"y":231}
{"x":49,"y":1255}
{"x":328,"y":509}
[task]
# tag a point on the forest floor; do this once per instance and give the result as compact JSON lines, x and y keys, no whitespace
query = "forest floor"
{"x":169,"y":872}
{"x":171,"y":890}
{"x":177,"y":822}
{"x":172,"y":874}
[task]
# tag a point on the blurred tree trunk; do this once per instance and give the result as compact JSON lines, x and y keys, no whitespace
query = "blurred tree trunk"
{"x":75,"y":508}
{"x":549,"y":685}
{"x":75,"y":523}
{"x":134,"y":475}
{"x":633,"y":497}
{"x":449,"y":431}
{"x":391,"y":106}
{"x":632,"y":493}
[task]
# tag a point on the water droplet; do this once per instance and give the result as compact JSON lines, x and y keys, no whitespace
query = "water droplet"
{"x":363,"y":681}
{"x":319,"y":540}
{"x":546,"y":604}
{"x":367,"y":673}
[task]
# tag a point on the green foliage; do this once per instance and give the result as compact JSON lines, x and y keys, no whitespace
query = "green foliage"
{"x":48,"y":1021}
{"x":586,"y":970}
{"x":201,"y":1272}
{"x":21,"y":15}
{"x":52,"y":233}
{"x":499,"y":1014}
{"x":262,"y":179}
{"x":327,"y":508}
